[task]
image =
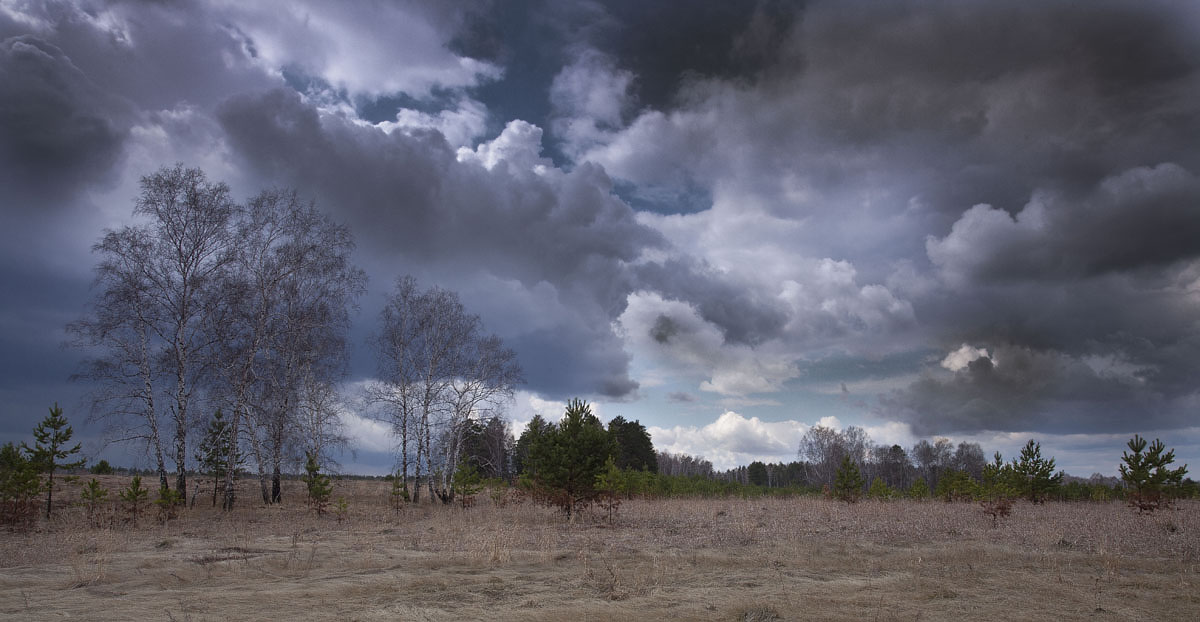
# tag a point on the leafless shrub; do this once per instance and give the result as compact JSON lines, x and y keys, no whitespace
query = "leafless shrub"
{"x":1000,"y":507}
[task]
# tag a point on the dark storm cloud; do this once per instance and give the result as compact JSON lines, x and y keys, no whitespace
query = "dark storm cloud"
{"x":410,"y":197}
{"x":58,"y":130}
{"x":408,"y":194}
{"x":1141,"y":218}
{"x":880,"y":128}
{"x":710,"y":39}
{"x":1045,"y":391}
{"x":845,"y":180}
{"x":157,"y":55}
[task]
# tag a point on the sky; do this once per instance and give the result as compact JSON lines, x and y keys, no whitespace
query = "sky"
{"x":731,"y":221}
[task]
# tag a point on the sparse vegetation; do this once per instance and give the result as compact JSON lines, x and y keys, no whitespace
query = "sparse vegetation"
{"x":704,"y":558}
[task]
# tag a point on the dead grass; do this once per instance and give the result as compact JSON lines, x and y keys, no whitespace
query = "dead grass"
{"x":720,"y":559}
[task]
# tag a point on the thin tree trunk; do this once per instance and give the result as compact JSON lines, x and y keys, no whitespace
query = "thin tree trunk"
{"x":417,"y":466}
{"x":404,"y":450}
{"x":181,"y":420}
{"x":49,"y":490}
{"x":429,"y":459}
{"x":151,"y":415}
{"x":230,"y":460}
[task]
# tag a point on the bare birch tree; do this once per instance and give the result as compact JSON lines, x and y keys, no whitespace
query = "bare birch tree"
{"x":147,"y":322}
{"x":286,"y":312}
{"x":119,"y":331}
{"x":487,"y":378}
{"x":189,"y":218}
{"x":437,"y":373}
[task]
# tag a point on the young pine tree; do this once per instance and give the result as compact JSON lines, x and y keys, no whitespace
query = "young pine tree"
{"x":19,"y":487}
{"x":213,"y":452}
{"x":134,"y":497}
{"x":919,"y":489}
{"x":50,"y":450}
{"x":564,"y":461}
{"x":1151,"y":483}
{"x":879,"y":489}
{"x":1034,"y":476}
{"x":93,"y":495}
{"x":319,"y":485}
{"x":848,"y":483}
{"x":467,"y":483}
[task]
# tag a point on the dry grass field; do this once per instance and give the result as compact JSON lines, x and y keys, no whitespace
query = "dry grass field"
{"x":715,"y":559}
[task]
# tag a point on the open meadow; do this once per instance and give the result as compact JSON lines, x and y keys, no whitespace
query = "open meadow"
{"x":685,"y":559}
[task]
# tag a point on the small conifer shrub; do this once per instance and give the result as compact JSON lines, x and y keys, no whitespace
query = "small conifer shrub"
{"x":134,"y":497}
{"x":848,"y":483}
{"x":320,"y":487}
{"x":94,"y":495}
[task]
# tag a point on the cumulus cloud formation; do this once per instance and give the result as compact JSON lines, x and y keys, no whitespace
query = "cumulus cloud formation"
{"x":964,"y":356}
{"x":733,"y":440}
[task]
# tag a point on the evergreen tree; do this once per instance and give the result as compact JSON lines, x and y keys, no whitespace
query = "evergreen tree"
{"x":93,"y":496}
{"x":134,"y":497}
{"x":214,"y":452}
{"x":467,"y":483}
{"x":956,"y":485}
{"x":319,"y":485}
{"x":919,"y":489}
{"x":635,"y":451}
{"x":1145,"y":472}
{"x":879,"y":489}
{"x":50,"y":449}
{"x":610,"y":483}
{"x":564,"y":461}
{"x":168,"y":503}
{"x":848,"y":483}
{"x":1034,"y":476}
{"x":537,"y":428}
{"x":756,"y":474}
{"x":19,"y":486}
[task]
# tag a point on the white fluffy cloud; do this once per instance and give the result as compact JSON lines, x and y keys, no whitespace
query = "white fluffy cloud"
{"x":960,"y":358}
{"x":733,"y":440}
{"x":519,"y":146}
{"x":461,"y":126}
{"x":375,"y":48}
